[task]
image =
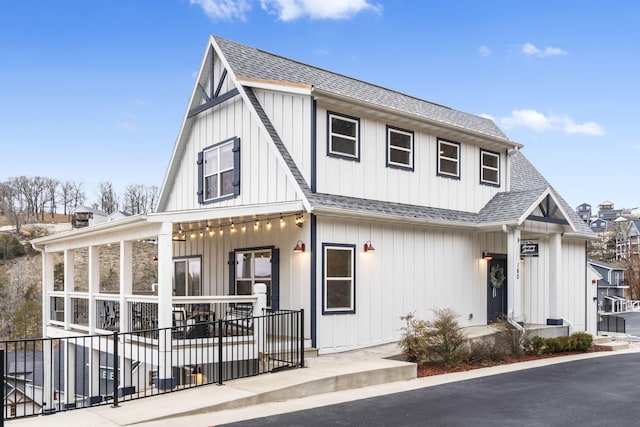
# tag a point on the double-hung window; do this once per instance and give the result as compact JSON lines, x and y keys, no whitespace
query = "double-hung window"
{"x":448,"y":158}
{"x":489,"y":168}
{"x":399,"y":148}
{"x":339,"y":284}
{"x":344,"y":136}
{"x":219,"y":171}
{"x":253,"y":267}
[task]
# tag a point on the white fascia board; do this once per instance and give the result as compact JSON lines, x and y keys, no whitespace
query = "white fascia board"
{"x":226,"y":212}
{"x":503,"y":141}
{"x":548,"y":192}
{"x":288,"y":87}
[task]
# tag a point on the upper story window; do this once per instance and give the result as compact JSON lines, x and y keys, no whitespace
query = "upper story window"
{"x":448,"y":158}
{"x":399,"y":148}
{"x":344,"y":136}
{"x":219,"y":171}
{"x":489,"y":168}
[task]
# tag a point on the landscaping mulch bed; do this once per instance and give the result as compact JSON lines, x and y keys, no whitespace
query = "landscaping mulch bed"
{"x":433,"y":368}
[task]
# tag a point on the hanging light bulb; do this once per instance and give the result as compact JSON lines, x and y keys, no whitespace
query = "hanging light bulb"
{"x":244,"y":228}
{"x":268,"y":225}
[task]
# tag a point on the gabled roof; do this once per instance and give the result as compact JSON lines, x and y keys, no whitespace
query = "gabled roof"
{"x":252,"y":63}
{"x":604,"y":265}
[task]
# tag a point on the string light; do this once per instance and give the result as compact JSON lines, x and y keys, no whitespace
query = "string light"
{"x":201,"y":227}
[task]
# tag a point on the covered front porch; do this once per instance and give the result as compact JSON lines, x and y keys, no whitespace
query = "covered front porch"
{"x":173,"y":269}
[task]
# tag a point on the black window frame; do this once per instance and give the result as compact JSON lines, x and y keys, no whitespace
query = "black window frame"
{"x":338,"y":154}
{"x":411,"y":151}
{"x":236,"y":171}
{"x":340,"y":246}
{"x":439,"y":158}
{"x":482,"y":168}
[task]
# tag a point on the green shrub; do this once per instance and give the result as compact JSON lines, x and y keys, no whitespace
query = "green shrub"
{"x":445,"y":339}
{"x":414,"y":339}
{"x":583,"y":341}
{"x":533,"y":345}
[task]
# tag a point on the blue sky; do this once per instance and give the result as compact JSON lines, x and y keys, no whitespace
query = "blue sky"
{"x":95,"y":91}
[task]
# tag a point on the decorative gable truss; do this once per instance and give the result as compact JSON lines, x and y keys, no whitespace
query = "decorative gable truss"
{"x":212,"y":97}
{"x":548,"y":210}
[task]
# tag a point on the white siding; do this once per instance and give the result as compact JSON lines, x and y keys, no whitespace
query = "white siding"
{"x":370,"y":178}
{"x":413,"y":269}
{"x":263,"y":178}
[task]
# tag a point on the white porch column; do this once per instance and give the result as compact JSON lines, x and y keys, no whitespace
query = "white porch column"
{"x":514,"y":284}
{"x":69,"y":284}
{"x":165,"y":306}
{"x":47,"y":286}
{"x":94,"y":285}
{"x":555,"y":279}
{"x":126,"y":282}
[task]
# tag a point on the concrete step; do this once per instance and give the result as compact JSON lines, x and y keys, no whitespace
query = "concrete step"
{"x":310,"y":352}
{"x":611,"y":345}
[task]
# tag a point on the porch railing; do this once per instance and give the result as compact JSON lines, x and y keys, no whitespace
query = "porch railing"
{"x":48,"y":375}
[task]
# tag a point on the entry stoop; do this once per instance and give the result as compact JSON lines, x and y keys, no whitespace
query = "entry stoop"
{"x":605,"y":343}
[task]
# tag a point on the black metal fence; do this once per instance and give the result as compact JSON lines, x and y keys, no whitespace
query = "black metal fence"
{"x":47,"y":375}
{"x":611,"y":323}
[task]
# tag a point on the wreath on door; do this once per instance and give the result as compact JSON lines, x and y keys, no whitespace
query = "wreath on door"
{"x":497,"y":278}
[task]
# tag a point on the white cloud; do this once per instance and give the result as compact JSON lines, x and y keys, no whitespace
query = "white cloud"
{"x":484,"y":51}
{"x":288,"y":10}
{"x":488,"y":116}
{"x":224,"y":10}
{"x":531,"y":50}
{"x":321,"y":52}
{"x":538,"y":122}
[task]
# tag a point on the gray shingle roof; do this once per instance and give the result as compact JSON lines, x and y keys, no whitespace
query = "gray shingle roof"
{"x":250,"y":62}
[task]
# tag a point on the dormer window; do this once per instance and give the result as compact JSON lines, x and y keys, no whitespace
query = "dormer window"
{"x":489,"y":168}
{"x":399,"y":148}
{"x":448,"y":158}
{"x":344,"y":136}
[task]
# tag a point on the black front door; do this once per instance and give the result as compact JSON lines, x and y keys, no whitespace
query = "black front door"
{"x":496,"y":288}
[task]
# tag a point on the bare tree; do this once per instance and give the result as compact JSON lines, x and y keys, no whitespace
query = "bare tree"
{"x":65,"y":195}
{"x":152,"y":198}
{"x":108,"y":197}
{"x":52,"y":190}
{"x":14,"y":203}
{"x":631,"y":264}
{"x":77,"y":194}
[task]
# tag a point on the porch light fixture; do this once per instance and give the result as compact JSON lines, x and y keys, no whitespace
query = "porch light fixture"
{"x":368,"y":247}
{"x":486,"y":256}
{"x":155,"y":259}
{"x":300,"y":247}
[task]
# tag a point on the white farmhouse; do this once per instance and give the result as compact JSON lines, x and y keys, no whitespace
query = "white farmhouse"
{"x":352,"y":201}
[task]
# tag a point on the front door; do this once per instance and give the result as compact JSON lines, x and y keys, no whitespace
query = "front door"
{"x":496,"y":288}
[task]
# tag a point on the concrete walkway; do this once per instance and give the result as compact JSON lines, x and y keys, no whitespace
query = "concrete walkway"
{"x":328,"y":379}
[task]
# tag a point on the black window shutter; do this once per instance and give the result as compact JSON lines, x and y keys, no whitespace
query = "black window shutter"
{"x":275,"y":279}
{"x":200,"y":177}
{"x":236,"y":166}
{"x":232,"y":273}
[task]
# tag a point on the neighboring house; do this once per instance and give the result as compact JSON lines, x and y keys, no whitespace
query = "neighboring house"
{"x":114,"y":216}
{"x":584,"y":212}
{"x":355,"y":202}
{"x":627,"y":237}
{"x":607,"y":212}
{"x":611,"y":286}
{"x":599,"y":225}
{"x":83,"y":216}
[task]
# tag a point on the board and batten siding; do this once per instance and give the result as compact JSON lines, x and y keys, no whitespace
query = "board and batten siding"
{"x":572,"y":294}
{"x":370,"y":178}
{"x":290,"y":115}
{"x":263,"y":177}
{"x":413,"y":270}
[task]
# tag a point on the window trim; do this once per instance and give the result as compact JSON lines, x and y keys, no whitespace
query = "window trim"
{"x":342,"y":310}
{"x":440,"y":157}
{"x":483,"y":167}
{"x":173,"y":278}
{"x":236,"y":171}
{"x":411,"y":151}
{"x":338,"y":154}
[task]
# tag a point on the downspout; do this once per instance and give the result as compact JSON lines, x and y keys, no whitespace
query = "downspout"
{"x":569,"y":323}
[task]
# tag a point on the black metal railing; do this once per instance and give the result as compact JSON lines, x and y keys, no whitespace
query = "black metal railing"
{"x":611,"y":323}
{"x":48,"y":375}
